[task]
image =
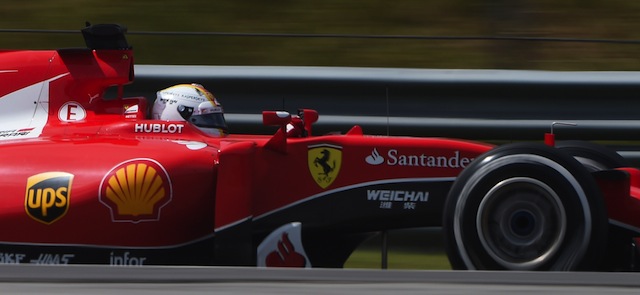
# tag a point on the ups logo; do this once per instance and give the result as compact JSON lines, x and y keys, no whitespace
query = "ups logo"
{"x":47,"y":196}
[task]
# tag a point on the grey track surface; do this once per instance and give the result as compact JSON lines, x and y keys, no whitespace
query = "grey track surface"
{"x":34,"y":279}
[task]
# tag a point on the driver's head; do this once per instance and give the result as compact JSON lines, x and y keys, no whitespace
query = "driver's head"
{"x":191,"y":103}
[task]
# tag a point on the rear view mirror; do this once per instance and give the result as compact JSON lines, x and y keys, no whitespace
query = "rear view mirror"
{"x":275,"y":118}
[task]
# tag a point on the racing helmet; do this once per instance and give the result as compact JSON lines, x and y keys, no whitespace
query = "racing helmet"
{"x":191,"y":103}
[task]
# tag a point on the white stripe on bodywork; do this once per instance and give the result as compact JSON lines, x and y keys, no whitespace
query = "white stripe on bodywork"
{"x":232,"y":224}
{"x":98,"y":246}
{"x":27,"y":107}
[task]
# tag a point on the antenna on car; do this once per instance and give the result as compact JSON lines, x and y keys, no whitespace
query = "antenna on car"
{"x":550,"y":138}
{"x":388,"y":113}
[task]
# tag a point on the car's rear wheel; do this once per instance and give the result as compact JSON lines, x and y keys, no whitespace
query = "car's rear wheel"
{"x":620,"y":253}
{"x":525,"y":207}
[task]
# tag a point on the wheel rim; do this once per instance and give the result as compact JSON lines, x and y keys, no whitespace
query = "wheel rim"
{"x":521,"y":223}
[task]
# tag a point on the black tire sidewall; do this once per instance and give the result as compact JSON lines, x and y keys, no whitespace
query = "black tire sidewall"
{"x":461,"y":237}
{"x":619,"y":255}
{"x":607,"y":158}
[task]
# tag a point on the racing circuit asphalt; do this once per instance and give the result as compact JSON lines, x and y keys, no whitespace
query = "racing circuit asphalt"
{"x":82,"y":279}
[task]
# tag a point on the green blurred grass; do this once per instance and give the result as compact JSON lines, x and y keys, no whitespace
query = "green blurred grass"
{"x":407,"y":249}
{"x":371,"y":258}
{"x":613,"y":19}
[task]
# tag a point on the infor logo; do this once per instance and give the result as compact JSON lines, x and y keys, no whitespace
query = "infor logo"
{"x":47,"y":196}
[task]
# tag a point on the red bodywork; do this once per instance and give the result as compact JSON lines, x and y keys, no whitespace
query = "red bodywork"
{"x":89,"y":179}
{"x":85,"y":171}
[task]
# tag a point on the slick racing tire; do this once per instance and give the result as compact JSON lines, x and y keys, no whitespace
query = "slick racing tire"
{"x":525,"y":207}
{"x":619,"y":255}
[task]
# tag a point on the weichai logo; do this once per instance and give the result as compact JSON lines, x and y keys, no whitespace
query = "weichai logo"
{"x":47,"y":197}
{"x":136,"y":190}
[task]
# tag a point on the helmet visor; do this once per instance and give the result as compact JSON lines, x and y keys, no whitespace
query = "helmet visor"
{"x":210,"y":120}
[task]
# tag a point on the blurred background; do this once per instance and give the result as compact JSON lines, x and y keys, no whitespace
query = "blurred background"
{"x":568,"y":35}
{"x":583,"y":19}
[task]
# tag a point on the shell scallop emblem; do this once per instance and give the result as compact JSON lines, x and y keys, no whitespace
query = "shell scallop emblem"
{"x":136,"y":190}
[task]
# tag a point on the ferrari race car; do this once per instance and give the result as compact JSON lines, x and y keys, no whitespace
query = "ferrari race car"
{"x":91,"y":179}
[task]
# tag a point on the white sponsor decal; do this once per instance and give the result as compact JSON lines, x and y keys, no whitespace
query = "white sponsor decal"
{"x":192,"y":145}
{"x":131,"y":112}
{"x":283,"y":248}
{"x":125,"y":259}
{"x":15,"y":132}
{"x":158,"y":128}
{"x":132,"y":109}
{"x":182,"y":95}
{"x":397,"y":196}
{"x":11,"y":258}
{"x":387,"y":198}
{"x":395,"y":158}
{"x":71,"y":112}
{"x":42,"y":258}
{"x":46,"y":258}
{"x":374,"y":158}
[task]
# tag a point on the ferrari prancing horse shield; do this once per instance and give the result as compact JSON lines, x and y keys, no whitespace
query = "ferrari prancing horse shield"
{"x":324,"y":163}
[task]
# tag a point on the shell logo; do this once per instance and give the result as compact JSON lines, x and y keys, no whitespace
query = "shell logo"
{"x":136,"y":190}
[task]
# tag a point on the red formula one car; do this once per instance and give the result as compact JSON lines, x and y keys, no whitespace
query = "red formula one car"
{"x":92,"y":179}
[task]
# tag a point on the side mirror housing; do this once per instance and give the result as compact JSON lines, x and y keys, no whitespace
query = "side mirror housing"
{"x":275,"y":118}
{"x":278,"y":142}
{"x":308,"y":117}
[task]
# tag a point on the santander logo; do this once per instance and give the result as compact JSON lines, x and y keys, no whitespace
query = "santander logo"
{"x":394,"y":157}
{"x":374,"y":158}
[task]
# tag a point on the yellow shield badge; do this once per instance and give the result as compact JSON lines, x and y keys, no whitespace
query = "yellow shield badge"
{"x":324,"y":163}
{"x":47,"y":196}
